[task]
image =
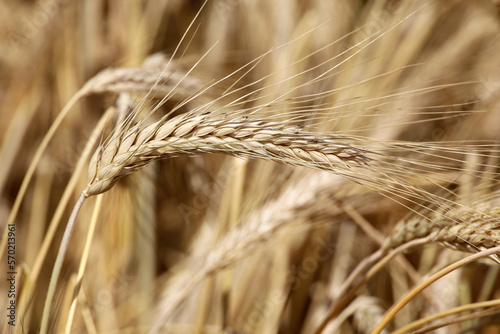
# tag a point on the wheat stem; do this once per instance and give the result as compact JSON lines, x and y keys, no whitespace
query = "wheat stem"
{"x":454,"y":266}
{"x":34,"y":163}
{"x":412,"y":326}
{"x":63,"y":248}
{"x":464,"y":319}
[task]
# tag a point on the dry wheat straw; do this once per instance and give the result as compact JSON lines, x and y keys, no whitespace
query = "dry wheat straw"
{"x":488,"y":305}
{"x":191,"y":134}
{"x":130,"y":150}
{"x":450,"y":268}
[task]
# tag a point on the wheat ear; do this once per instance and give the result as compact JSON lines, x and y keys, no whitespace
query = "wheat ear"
{"x":464,"y":229}
{"x":155,"y":81}
{"x":133,"y":148}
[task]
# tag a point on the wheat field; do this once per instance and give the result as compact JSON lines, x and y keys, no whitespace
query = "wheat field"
{"x":250,"y":166}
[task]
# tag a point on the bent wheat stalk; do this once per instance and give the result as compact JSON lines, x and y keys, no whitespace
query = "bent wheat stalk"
{"x":400,"y":304}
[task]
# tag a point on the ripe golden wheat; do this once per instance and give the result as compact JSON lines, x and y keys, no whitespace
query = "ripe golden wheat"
{"x":396,"y":100}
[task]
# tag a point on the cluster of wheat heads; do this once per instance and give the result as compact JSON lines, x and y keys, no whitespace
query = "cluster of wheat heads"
{"x":289,"y":166}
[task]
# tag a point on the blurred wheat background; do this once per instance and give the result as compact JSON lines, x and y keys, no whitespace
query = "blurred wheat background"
{"x":211,"y":243}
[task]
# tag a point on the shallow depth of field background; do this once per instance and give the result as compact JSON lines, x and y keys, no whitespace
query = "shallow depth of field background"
{"x":278,"y":241}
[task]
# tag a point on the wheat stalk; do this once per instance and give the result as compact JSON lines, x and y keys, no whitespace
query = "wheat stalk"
{"x":131,"y":149}
{"x":454,"y":266}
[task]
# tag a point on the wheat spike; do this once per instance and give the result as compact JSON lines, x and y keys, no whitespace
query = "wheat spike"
{"x":465,"y":229}
{"x":142,"y":79}
{"x":134,"y":148}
